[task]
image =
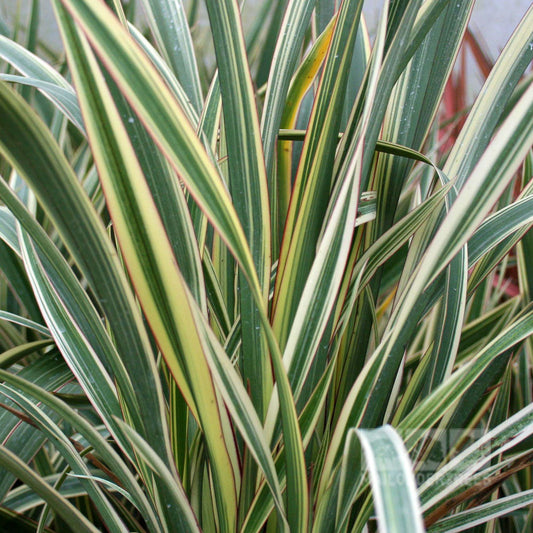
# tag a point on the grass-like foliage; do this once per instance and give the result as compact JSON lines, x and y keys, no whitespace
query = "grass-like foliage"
{"x":258,"y":288}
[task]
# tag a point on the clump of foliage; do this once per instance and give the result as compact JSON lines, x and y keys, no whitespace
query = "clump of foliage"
{"x":260,"y":297}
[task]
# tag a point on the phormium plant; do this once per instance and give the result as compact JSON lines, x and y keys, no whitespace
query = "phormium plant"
{"x":265,"y":295}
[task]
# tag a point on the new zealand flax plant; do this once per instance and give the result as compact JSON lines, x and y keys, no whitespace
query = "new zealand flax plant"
{"x":265,"y":295}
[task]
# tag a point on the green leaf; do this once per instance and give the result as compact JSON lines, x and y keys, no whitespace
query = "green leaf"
{"x":158,"y":283}
{"x":281,"y":178}
{"x":241,"y":408}
{"x":186,"y":520}
{"x":166,"y":73}
{"x":309,"y":418}
{"x":323,"y":283}
{"x":493,"y":172}
{"x":463,"y":466}
{"x":169,"y":26}
{"x":392,"y":480}
{"x":65,"y":509}
{"x":414,"y":103}
{"x":13,"y":272}
{"x":247,"y":184}
{"x":69,"y":304}
{"x":164,"y":119}
{"x":499,"y":226}
{"x":67,"y":450}
{"x":30,"y":146}
{"x":30,"y":65}
{"x":481,"y":514}
{"x":107,"y":453}
{"x":309,"y":198}
{"x":291,"y":34}
{"x":13,"y":355}
{"x":74,"y":347}
{"x":50,"y":373}
{"x":21,"y":321}
{"x":22,"y":498}
{"x":64,"y":99}
{"x":487,"y":181}
{"x":433,"y":407}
